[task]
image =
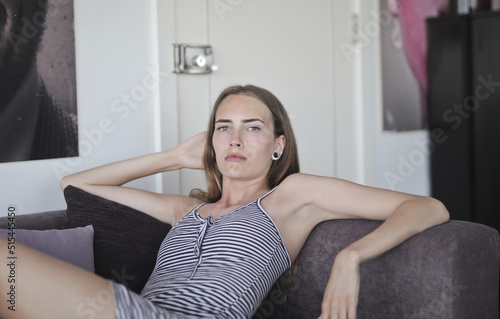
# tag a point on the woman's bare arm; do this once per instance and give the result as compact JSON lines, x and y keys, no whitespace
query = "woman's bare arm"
{"x":404,"y":215}
{"x":106,"y":181}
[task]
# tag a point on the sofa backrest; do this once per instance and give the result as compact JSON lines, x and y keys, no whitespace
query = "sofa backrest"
{"x":39,"y":221}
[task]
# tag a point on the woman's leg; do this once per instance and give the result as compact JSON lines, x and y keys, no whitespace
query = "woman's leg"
{"x":34,"y":285}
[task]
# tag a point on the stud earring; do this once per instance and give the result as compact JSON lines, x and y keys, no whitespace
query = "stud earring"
{"x":276,"y":156}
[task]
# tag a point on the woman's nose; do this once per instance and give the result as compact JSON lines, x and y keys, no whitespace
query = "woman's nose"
{"x":236,"y":139}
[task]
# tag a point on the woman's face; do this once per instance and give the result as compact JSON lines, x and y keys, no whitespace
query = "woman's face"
{"x":244,"y":139}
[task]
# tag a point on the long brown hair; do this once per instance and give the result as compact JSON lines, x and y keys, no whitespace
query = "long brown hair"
{"x":280,"y":169}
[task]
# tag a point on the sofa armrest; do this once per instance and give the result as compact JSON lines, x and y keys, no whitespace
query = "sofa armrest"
{"x":39,"y":221}
{"x":448,"y":271}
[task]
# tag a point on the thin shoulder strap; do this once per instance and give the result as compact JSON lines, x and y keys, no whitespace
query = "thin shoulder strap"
{"x":264,"y":196}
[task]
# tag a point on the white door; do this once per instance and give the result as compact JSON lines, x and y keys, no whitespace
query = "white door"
{"x":285,"y":46}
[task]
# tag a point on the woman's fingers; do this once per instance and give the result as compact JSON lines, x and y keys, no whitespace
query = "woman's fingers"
{"x":192,"y":150}
{"x":341,"y":294}
{"x":339,"y":308}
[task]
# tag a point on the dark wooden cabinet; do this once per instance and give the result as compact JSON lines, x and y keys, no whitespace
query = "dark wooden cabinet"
{"x":463,"y":64}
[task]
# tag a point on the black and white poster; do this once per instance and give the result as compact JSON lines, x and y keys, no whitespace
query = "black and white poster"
{"x":38,"y":105}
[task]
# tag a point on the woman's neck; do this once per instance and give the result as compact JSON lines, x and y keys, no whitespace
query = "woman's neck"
{"x":236,"y":193}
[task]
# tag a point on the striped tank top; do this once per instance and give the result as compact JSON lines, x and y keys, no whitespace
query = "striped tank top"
{"x":221,"y":268}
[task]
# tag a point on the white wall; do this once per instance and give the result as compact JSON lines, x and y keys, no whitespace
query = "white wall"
{"x":286,"y":49}
{"x":116,"y":53}
{"x":117,"y":42}
{"x":349,"y":95}
{"x":349,"y":126}
{"x":392,"y":160}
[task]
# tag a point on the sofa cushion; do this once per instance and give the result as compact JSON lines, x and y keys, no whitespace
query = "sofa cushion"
{"x":74,"y":246}
{"x":126,"y":241}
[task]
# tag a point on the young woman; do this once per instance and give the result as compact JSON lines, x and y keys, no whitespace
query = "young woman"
{"x":230,"y":244}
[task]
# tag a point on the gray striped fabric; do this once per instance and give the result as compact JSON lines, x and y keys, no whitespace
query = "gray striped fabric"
{"x":218,"y":268}
{"x":130,"y":305}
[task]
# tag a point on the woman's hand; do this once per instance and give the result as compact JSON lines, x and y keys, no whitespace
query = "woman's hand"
{"x":191,"y":151}
{"x":341,"y":294}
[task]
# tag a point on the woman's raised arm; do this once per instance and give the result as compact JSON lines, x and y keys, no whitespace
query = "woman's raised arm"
{"x":404,"y":215}
{"x":105,"y":181}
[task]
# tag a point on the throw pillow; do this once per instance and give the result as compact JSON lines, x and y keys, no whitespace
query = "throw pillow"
{"x":126,"y":241}
{"x":74,"y":246}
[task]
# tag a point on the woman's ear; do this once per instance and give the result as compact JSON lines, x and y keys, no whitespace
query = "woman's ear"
{"x":280,"y":143}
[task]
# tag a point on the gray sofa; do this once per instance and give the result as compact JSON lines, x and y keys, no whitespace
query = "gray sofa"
{"x":448,"y":271}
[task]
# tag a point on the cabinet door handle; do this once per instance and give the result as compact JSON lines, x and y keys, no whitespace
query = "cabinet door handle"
{"x":193,"y":59}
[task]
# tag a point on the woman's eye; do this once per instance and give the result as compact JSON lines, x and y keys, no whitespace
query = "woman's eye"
{"x":223,"y":128}
{"x":254,"y":128}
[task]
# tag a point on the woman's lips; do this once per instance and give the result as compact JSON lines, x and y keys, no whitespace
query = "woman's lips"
{"x":235,"y":158}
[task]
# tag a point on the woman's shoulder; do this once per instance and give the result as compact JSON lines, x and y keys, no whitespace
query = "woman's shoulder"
{"x":183,"y":205}
{"x":307,"y":181}
{"x":300,"y":187}
{"x":290,"y":192}
{"x":298,"y":182}
{"x":290,"y":185}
